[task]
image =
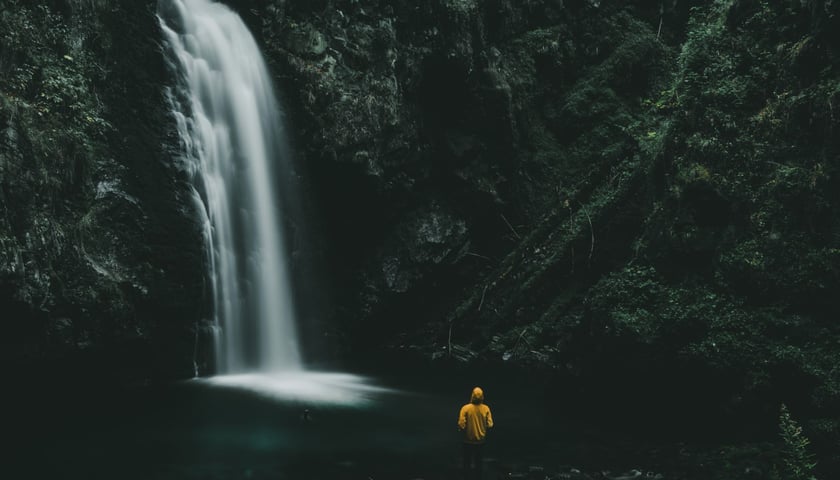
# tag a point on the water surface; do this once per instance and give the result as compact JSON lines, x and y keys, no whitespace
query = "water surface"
{"x":241,"y":427}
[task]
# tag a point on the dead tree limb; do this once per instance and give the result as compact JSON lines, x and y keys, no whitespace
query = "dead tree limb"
{"x":479,"y":256}
{"x":661,"y":17}
{"x":520,"y":338}
{"x":449,"y":338}
{"x":484,"y":292}
{"x":591,"y":235}
{"x":511,"y":227}
{"x":568,"y":205}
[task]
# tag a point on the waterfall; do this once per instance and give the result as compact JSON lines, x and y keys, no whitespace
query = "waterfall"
{"x":231,"y":131}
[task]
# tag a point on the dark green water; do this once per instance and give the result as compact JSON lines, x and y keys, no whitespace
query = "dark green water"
{"x":195,"y":431}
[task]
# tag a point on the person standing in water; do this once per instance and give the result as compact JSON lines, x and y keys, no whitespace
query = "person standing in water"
{"x":474,"y":420}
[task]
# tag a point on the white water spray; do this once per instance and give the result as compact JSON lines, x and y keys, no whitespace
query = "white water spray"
{"x":230,"y":127}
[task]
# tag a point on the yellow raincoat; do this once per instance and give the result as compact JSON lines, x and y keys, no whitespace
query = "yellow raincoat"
{"x":475,"y":418}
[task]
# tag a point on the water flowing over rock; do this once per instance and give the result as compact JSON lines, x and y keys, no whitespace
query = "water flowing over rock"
{"x":230,"y":125}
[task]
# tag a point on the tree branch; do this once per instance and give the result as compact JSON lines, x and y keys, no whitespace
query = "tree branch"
{"x":511,"y":227}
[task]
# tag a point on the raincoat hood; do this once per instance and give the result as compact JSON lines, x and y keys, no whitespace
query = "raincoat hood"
{"x":477,"y":396}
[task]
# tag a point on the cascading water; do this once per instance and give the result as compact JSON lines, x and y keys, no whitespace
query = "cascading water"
{"x":230,"y":127}
{"x":231,"y":132}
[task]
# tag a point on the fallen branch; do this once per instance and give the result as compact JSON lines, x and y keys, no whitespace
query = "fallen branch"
{"x":479,"y":256}
{"x":518,"y":339}
{"x":449,"y":339}
{"x":511,"y":227}
{"x":591,"y":234}
{"x":482,"y":297}
{"x":568,"y":205}
{"x":661,"y":17}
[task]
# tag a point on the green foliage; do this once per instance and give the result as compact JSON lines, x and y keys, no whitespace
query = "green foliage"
{"x":798,"y":461}
{"x":763,"y":345}
{"x":580,"y":97}
{"x":748,"y":185}
{"x":47,"y":65}
{"x":48,"y":83}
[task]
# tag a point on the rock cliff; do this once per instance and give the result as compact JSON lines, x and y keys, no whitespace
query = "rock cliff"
{"x":99,"y":252}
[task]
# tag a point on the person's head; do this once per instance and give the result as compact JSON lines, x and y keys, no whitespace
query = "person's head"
{"x":477,"y":395}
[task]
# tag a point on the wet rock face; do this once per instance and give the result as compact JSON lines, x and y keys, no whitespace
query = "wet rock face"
{"x":404,"y":109}
{"x":428,"y":239}
{"x":96,"y":244}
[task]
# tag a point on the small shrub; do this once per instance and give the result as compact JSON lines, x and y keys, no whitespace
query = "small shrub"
{"x":798,"y":462}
